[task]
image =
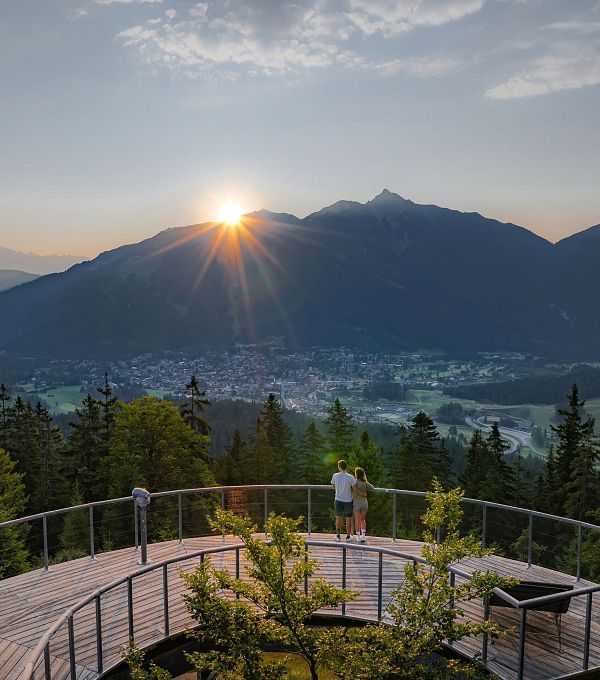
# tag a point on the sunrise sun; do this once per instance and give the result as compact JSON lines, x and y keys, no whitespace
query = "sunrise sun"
{"x":230,"y":213}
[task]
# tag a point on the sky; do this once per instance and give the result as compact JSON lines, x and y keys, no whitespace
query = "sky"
{"x":119,"y":118}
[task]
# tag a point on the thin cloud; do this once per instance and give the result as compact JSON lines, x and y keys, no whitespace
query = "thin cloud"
{"x":129,"y":2}
{"x":551,"y":74}
{"x":392,"y":17}
{"x":421,"y":67}
{"x":275,"y":37}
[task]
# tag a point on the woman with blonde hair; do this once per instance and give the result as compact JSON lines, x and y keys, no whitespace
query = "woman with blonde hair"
{"x":360,"y":502}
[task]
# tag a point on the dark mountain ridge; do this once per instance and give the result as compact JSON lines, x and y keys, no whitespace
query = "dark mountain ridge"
{"x":384,"y":275}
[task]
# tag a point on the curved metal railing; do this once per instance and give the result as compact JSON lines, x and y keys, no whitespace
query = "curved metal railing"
{"x":42,"y":651}
{"x":484,"y":506}
{"x":43,"y":647}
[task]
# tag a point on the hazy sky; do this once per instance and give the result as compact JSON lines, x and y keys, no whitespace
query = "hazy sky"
{"x":119,"y":118}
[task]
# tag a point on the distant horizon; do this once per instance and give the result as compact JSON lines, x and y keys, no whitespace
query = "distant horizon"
{"x":153,"y":231}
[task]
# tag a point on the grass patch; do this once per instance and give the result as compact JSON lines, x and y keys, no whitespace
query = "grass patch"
{"x":65,"y":399}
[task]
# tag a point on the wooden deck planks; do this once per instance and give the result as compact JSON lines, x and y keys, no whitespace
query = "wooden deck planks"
{"x":31,"y":603}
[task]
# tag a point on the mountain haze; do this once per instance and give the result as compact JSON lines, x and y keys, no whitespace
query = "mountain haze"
{"x":387,"y":274}
{"x":36,"y":264}
{"x":9,"y":278}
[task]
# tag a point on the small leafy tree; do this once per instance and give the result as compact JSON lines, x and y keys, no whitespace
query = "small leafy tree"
{"x":276,"y":607}
{"x":425,"y":609}
{"x":134,"y":658}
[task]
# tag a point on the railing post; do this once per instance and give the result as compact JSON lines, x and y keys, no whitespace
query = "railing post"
{"x":130,"y":607}
{"x":452,"y":584}
{"x":144,"y":535}
{"x":72,"y":666}
{"x":99,"y":635}
{"x":344,"y":578}
{"x":394,"y":516}
{"x":484,"y":642}
{"x":380,"y":587}
{"x":135,"y":525}
{"x":179,"y":520}
{"x":586,"y":639}
{"x":92,"y":547}
{"x":237,"y":568}
{"x":305,"y":573}
{"x":222,"y":508}
{"x":483,"y":525}
{"x":530,"y":542}
{"x":522,"y":625}
{"x":47,"y":670}
{"x":579,"y":545}
{"x":266,"y":504}
{"x":45,"y":536}
{"x":309,"y":513}
{"x":166,"y":598}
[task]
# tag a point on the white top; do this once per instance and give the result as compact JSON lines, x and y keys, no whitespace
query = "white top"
{"x":342,"y":483}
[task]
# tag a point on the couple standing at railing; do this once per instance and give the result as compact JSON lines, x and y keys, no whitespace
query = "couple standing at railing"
{"x":351,"y":501}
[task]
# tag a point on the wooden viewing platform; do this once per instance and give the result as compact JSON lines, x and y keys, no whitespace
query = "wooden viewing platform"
{"x":30,"y":604}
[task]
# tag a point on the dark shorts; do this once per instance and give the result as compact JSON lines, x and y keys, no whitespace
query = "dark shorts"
{"x":343,"y":508}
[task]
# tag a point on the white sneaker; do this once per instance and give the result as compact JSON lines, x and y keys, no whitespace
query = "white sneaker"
{"x":362,"y":538}
{"x":338,"y":539}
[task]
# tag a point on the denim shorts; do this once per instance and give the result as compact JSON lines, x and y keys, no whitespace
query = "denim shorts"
{"x":343,"y":508}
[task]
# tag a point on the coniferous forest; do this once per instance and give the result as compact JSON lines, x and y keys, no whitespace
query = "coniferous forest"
{"x":111,"y":446}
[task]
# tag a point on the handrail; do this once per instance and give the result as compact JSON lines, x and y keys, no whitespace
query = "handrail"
{"x":63,"y":618}
{"x":67,"y":617}
{"x":37,"y":652}
{"x":484,"y":505}
{"x":275,"y":487}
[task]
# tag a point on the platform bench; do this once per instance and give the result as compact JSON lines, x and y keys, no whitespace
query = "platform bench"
{"x":527,"y":590}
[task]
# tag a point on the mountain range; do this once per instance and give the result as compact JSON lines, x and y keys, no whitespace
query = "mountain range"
{"x":389,"y":274}
{"x":37,"y":264}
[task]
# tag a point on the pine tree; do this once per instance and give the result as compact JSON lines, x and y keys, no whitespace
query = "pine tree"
{"x":5,"y":400}
{"x":340,"y":431}
{"x":367,"y":455}
{"x":433,"y":459}
{"x":86,"y":450}
{"x":499,"y":483}
{"x":50,"y":445}
{"x":576,"y":454}
{"x":108,"y":409}
{"x":312,"y":456}
{"x":24,"y":448}
{"x":405,"y":470}
{"x":547,"y":498}
{"x":13,"y":553}
{"x":477,"y":467}
{"x":261,"y":458}
{"x":233,"y":469}
{"x":281,"y":441}
{"x":74,"y":537}
{"x":192,"y":409}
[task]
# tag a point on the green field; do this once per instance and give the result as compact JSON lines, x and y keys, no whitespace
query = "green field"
{"x":64,"y":399}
